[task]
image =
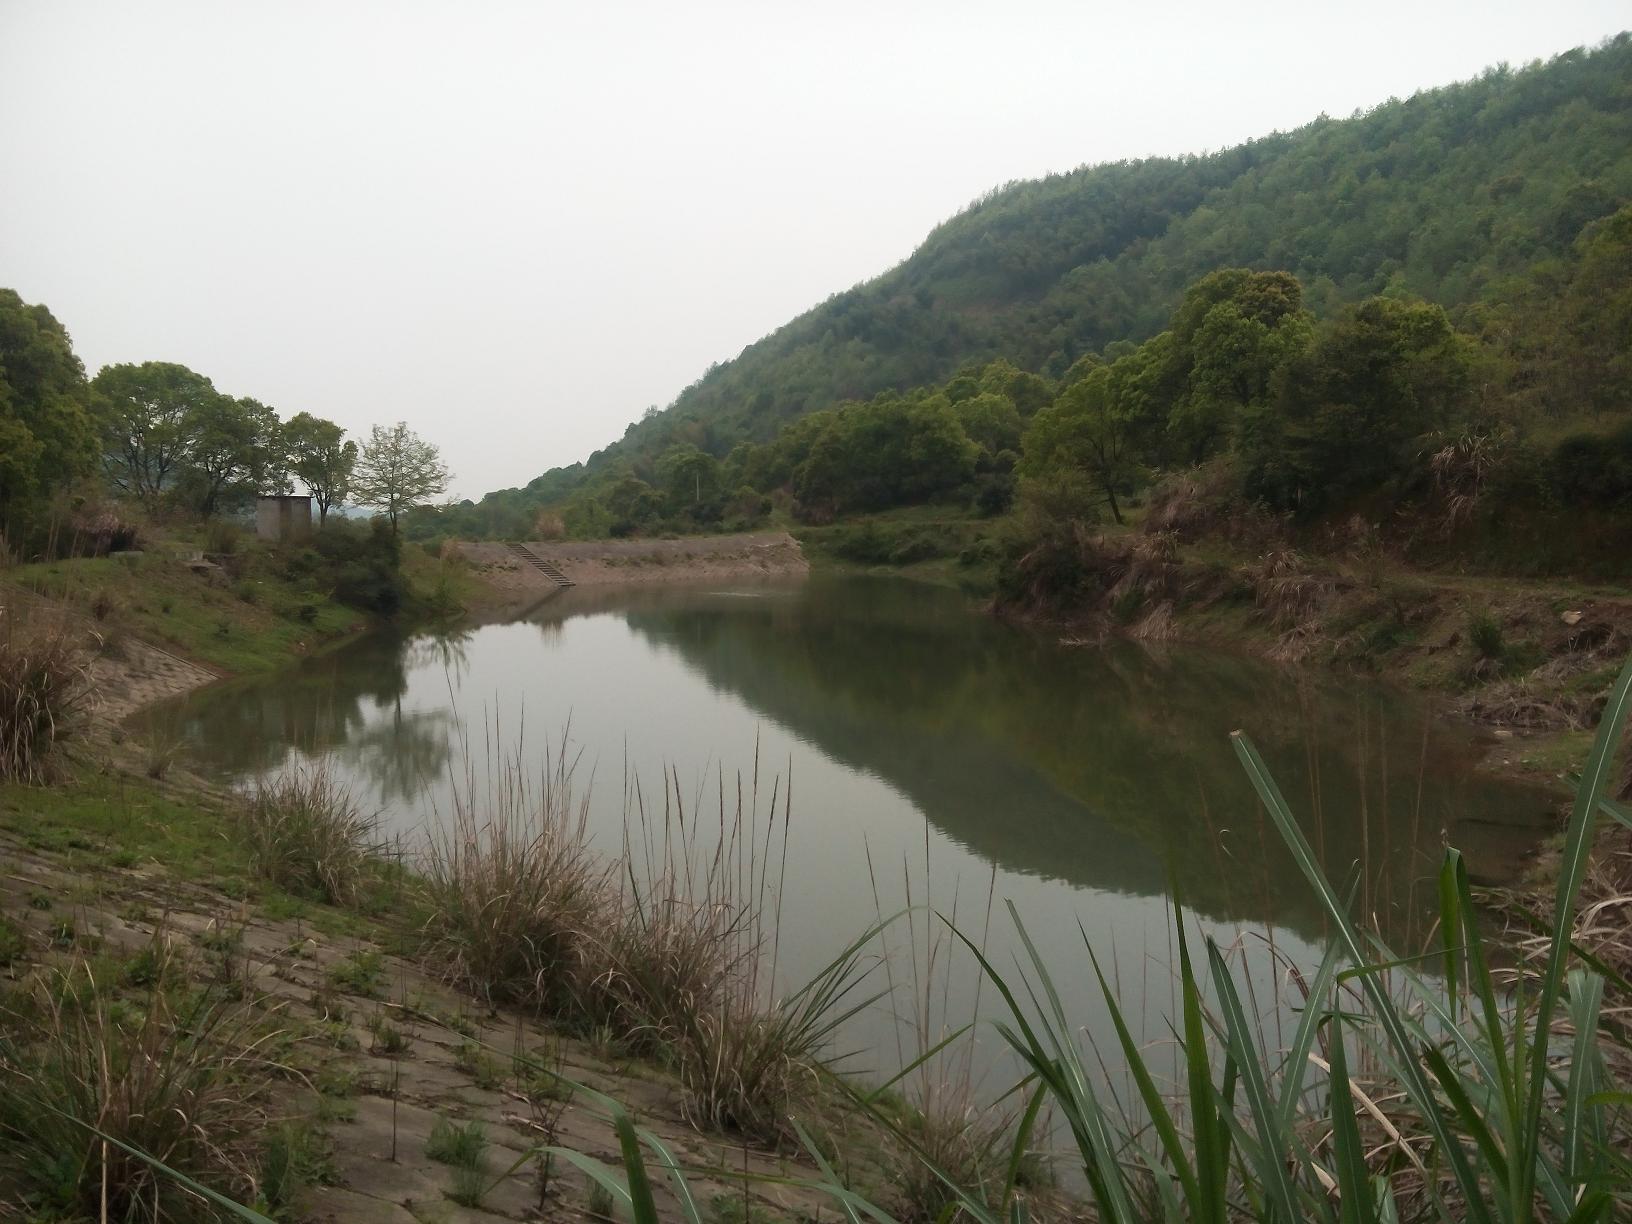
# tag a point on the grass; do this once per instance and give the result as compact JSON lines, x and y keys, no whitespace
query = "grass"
{"x":43,"y":694}
{"x":175,"y":1073}
{"x":464,"y":1150}
{"x":306,"y":834}
{"x":512,"y":891}
{"x":452,"y":1144}
{"x":164,"y":601}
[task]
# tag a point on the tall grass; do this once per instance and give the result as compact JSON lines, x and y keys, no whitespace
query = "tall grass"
{"x":115,"y":1109}
{"x":306,"y":834}
{"x":671,"y":951}
{"x":512,"y":892}
{"x":43,"y":694}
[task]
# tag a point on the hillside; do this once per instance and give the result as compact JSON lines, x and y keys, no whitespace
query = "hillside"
{"x":1445,"y":195}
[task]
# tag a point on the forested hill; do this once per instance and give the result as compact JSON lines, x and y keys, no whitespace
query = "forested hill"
{"x":1442,"y":195}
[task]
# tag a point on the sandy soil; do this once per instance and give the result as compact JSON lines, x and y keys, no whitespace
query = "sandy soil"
{"x":627,"y":562}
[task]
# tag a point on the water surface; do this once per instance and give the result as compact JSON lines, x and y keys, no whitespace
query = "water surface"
{"x":934,"y":754}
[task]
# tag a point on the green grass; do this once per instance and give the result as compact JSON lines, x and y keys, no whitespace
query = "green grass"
{"x":163,"y":601}
{"x":452,"y":1144}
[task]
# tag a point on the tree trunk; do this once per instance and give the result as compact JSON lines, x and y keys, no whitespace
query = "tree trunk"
{"x":1116,"y":513}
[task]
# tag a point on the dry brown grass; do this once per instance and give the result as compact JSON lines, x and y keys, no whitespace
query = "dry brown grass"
{"x":44,"y":693}
{"x":513,"y":892}
{"x":306,"y":834}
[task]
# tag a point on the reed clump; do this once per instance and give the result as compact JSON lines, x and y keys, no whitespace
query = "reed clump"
{"x":111,"y":1104}
{"x":513,"y":895}
{"x":43,"y":694}
{"x":306,"y":834}
{"x":671,"y":955}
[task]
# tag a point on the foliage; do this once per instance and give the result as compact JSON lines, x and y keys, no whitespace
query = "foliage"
{"x":321,"y":458}
{"x":180,"y":1079}
{"x":47,"y":428}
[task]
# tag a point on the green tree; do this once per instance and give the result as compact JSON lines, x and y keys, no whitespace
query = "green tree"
{"x":992,"y":422}
{"x":396,"y":471}
{"x":322,"y":458}
{"x":1348,"y":412}
{"x":1599,"y":309}
{"x":232,"y":451}
{"x":1230,"y":338}
{"x":1094,"y":427}
{"x":688,"y":477}
{"x":47,"y":429}
{"x":145,"y":409}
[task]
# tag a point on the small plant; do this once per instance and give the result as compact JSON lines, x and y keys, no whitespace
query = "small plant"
{"x":461,"y":1146}
{"x":478,"y":1064}
{"x":162,"y":740}
{"x":466,"y":1186}
{"x":180,"y":1078}
{"x":295,"y":1156}
{"x":599,"y":1203}
{"x":103,"y":605}
{"x":359,"y":973}
{"x":13,"y":943}
{"x":389,"y":1040}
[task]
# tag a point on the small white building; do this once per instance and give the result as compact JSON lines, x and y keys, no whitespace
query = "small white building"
{"x":283,"y":518}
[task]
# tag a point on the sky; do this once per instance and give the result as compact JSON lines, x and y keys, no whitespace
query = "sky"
{"x":517,"y":225}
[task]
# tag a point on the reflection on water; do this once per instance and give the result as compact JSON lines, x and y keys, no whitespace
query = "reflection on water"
{"x":925,"y":738}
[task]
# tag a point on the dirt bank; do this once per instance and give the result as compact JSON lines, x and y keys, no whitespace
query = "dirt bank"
{"x":627,"y":562}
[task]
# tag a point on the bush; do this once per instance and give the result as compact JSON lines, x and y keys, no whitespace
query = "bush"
{"x":358,"y":566}
{"x":514,"y":894}
{"x":43,"y":692}
{"x":1594,"y":470}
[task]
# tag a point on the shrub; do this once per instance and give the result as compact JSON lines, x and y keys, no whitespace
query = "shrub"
{"x":1594,"y":470}
{"x":1485,"y":635}
{"x":43,"y":694}
{"x":306,"y":834}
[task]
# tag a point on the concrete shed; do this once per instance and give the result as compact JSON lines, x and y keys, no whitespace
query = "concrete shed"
{"x":283,"y":518}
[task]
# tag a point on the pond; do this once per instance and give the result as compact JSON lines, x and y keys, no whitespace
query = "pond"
{"x":935,"y":755}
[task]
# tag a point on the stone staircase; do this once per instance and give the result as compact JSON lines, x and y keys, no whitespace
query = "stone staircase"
{"x":547,"y":568}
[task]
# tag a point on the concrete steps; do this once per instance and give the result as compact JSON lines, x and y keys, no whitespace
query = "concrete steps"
{"x":547,"y":568}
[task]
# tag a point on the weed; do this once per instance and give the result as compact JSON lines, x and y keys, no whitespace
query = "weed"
{"x":1485,"y":636}
{"x":359,"y":974}
{"x":598,"y":1203}
{"x":461,"y":1146}
{"x":389,"y":1040}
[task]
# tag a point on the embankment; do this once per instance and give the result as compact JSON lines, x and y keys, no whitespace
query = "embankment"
{"x":637,"y":561}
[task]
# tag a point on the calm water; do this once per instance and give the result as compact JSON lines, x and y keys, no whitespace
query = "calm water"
{"x":961,"y":756}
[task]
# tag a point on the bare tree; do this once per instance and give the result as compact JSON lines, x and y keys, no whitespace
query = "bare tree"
{"x":397,"y":471}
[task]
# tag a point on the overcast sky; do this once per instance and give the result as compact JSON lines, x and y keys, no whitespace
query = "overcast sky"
{"x":515,"y":225}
